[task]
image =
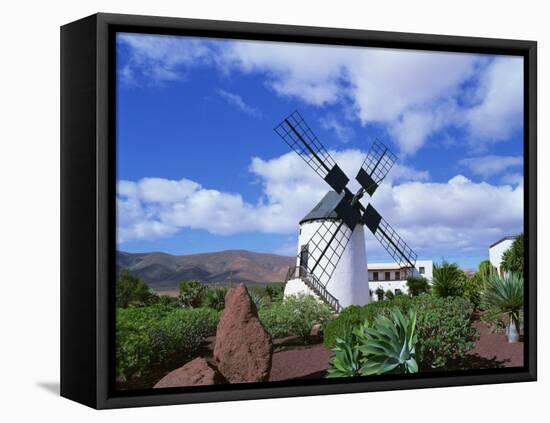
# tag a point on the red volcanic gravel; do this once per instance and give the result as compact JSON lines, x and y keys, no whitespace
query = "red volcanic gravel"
{"x":495,"y":347}
{"x":307,"y":362}
{"x":491,"y":350}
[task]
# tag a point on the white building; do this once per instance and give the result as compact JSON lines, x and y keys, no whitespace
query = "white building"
{"x":349,"y":281}
{"x":391,"y":277}
{"x":497,"y":249}
{"x":346,"y":282}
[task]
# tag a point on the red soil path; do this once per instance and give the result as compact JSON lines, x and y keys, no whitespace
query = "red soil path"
{"x":495,"y":347}
{"x":299,"y":363}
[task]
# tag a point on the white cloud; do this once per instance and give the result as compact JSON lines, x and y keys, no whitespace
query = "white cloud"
{"x":414,"y":94}
{"x":309,"y":72}
{"x":500,"y":109}
{"x":343,"y":132}
{"x":162,"y":58}
{"x":490,"y":165}
{"x":237,"y":101}
{"x":448,"y":219}
{"x":512,"y":178}
{"x":443,"y":218}
{"x":155,"y":207}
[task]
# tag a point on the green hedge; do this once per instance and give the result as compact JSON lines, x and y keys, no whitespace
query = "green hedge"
{"x":147,"y":336}
{"x":296,"y":315}
{"x":444,"y":326}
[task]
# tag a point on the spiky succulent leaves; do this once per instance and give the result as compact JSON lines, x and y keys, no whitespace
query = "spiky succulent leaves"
{"x":345,"y":360}
{"x":504,"y":295}
{"x":389,"y":345}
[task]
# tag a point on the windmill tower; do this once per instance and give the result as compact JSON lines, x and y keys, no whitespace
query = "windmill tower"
{"x":332,"y":260}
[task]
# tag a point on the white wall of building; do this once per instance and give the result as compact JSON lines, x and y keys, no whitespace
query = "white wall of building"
{"x":496,"y":252}
{"x":397,"y":277}
{"x":349,"y":282}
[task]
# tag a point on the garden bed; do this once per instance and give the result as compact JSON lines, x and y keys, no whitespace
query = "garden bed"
{"x":492,"y":350}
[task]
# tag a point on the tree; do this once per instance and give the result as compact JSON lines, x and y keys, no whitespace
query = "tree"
{"x":474,"y":285}
{"x":486,"y":270}
{"x":448,"y":281}
{"x":505,"y":296}
{"x":379,"y":293}
{"x":417,"y":285}
{"x":472,"y":288}
{"x":512,"y":259}
{"x":132,"y":291}
{"x":191,"y":293}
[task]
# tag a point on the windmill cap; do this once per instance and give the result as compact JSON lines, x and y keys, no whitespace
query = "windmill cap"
{"x":325,"y":209}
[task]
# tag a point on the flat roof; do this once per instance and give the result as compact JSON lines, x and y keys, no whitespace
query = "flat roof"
{"x":383,"y":266}
{"x":395,"y":266}
{"x":506,"y":238}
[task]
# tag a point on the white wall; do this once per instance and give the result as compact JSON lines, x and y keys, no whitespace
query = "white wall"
{"x":349,"y":282}
{"x":496,"y":252}
{"x":392,"y":283}
{"x":29,"y":174}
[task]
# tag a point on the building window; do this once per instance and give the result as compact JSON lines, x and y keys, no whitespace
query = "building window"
{"x":398,"y":292}
{"x":374,"y":276}
{"x":386,"y":276}
{"x":397,"y":276}
{"x":421,"y":270}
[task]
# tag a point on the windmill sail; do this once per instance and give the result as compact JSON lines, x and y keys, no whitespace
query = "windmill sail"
{"x":376,"y":166}
{"x":297,"y":134}
{"x":389,"y":239}
{"x":325,"y":248}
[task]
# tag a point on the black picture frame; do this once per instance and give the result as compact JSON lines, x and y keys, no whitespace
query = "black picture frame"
{"x":88,"y":207}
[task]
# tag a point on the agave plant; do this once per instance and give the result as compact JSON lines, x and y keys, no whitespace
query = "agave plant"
{"x":259,"y":300}
{"x":386,"y":346}
{"x":505,"y":296}
{"x":346,"y":361}
{"x":389,"y":346}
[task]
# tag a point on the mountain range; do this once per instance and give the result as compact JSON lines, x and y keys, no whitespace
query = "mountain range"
{"x":163,"y":271}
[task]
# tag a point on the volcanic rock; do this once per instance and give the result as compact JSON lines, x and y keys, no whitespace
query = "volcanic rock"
{"x":243,"y":348}
{"x":196,"y":372}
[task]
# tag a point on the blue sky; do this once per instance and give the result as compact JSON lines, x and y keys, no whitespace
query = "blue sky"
{"x":201,"y":169}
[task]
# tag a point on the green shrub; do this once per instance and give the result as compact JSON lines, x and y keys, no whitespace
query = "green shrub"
{"x":389,"y":295}
{"x":166,"y":300}
{"x":353,"y":316}
{"x":149,"y":336}
{"x":296,"y":315}
{"x":486,"y":270}
{"x":445,"y":330}
{"x":448,"y":280}
{"x":472,"y":288}
{"x":444,"y":327}
{"x":379,"y":293}
{"x":385,"y":346}
{"x":131,"y":291}
{"x":417,"y":285}
{"x":191,"y":293}
{"x":214,"y":297}
{"x":512,"y":259}
{"x":275,"y":292}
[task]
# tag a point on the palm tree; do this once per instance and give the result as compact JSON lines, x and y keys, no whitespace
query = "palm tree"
{"x":448,"y":280}
{"x":505,"y":296}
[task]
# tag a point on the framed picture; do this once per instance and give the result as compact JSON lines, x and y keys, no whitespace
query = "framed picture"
{"x":257,"y":211}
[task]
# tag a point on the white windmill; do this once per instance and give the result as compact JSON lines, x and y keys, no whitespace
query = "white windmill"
{"x":332,"y":259}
